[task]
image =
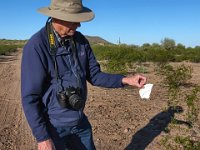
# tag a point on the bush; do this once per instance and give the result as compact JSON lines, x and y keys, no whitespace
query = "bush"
{"x":5,"y":49}
{"x":187,"y":143}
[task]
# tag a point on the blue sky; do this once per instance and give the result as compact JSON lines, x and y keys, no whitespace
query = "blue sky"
{"x":133,"y":21}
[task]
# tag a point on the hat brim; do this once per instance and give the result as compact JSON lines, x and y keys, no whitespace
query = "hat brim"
{"x":85,"y":15}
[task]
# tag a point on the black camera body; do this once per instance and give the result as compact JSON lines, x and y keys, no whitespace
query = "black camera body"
{"x":70,"y":98}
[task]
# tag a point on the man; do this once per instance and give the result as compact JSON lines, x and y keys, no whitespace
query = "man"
{"x":57,"y":61}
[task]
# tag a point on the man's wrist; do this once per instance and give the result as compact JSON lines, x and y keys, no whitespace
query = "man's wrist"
{"x":124,"y":81}
{"x":47,"y":145}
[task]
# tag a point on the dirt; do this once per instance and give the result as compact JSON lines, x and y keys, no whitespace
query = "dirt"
{"x":120,"y":118}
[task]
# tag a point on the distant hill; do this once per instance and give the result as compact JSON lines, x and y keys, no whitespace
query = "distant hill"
{"x":92,"y":39}
{"x":96,"y":40}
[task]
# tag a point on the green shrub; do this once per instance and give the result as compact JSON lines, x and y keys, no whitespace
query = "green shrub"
{"x":124,"y":54}
{"x":187,"y":143}
{"x":193,"y":108}
{"x":174,"y":77}
{"x":5,"y":49}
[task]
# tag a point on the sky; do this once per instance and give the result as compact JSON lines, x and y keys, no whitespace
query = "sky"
{"x":133,"y":22}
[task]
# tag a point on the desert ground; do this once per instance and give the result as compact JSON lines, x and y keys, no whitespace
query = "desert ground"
{"x":120,"y":118}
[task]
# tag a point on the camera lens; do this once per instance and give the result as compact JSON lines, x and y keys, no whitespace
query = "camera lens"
{"x":76,"y":102}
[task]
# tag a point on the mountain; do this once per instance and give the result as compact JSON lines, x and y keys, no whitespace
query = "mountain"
{"x":96,"y":40}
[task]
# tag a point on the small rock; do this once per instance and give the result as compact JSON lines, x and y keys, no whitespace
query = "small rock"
{"x":127,"y":130}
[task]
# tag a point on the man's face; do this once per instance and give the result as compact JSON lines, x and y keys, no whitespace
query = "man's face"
{"x":65,"y":28}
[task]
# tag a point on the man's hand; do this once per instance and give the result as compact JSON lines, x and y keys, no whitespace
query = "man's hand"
{"x":136,"y":80}
{"x":46,"y":145}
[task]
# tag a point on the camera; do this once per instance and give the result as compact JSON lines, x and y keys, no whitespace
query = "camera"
{"x":70,"y":98}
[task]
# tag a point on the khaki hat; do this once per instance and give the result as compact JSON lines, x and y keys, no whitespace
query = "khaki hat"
{"x":68,"y":10}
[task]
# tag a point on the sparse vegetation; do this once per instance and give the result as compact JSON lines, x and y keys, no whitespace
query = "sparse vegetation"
{"x":193,"y":108}
{"x":8,"y":46}
{"x":187,"y":143}
{"x":174,"y":78}
{"x":125,"y":55}
{"x":6,"y":49}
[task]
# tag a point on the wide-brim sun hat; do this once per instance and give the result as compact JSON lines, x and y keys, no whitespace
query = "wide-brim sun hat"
{"x":68,"y":10}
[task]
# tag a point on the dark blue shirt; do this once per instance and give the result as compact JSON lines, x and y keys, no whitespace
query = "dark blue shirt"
{"x":39,"y":86}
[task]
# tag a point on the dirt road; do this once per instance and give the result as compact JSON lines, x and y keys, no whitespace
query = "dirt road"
{"x":120,"y":119}
{"x":14,"y":132}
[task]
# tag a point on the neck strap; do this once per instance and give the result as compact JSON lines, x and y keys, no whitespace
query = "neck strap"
{"x":54,"y":47}
{"x":51,"y":37}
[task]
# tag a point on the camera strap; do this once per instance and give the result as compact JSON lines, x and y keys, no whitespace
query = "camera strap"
{"x":52,"y":44}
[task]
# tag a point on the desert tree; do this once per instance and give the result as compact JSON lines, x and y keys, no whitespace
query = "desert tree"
{"x":168,"y":44}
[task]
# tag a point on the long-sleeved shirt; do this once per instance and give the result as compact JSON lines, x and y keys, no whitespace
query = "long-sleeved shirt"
{"x":39,"y":86}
